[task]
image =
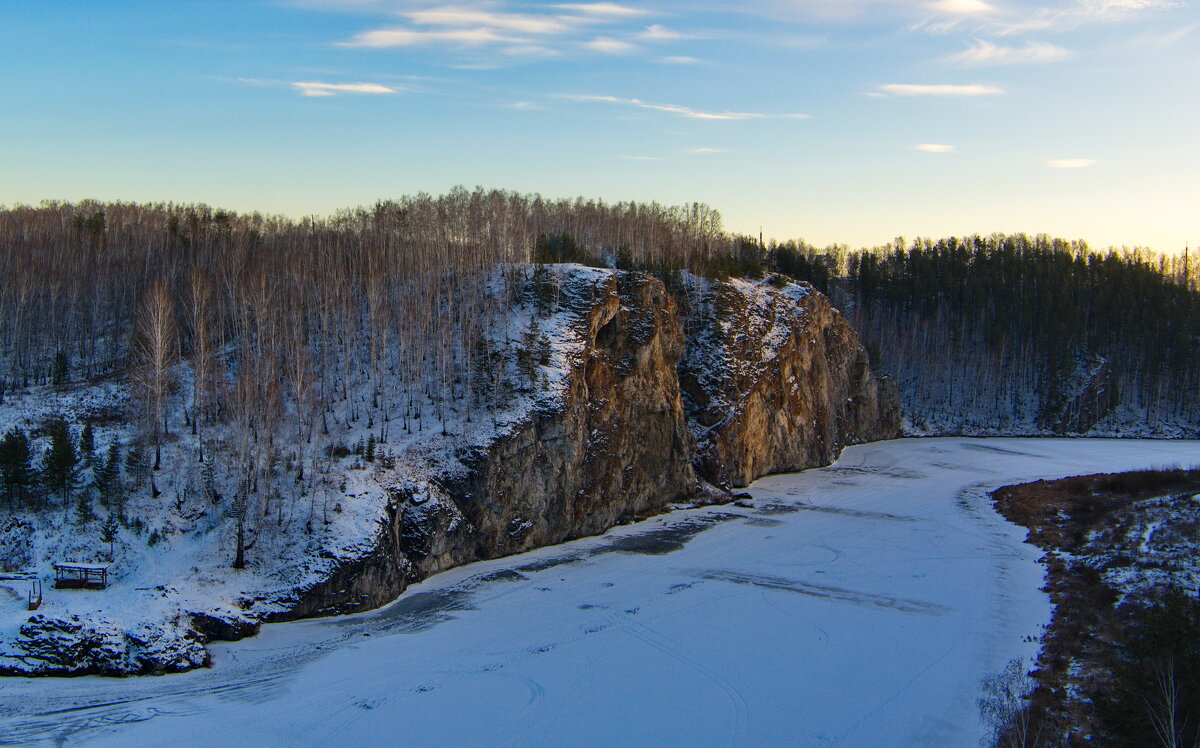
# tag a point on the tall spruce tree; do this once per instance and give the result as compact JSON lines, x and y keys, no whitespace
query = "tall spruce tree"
{"x":87,"y":445}
{"x":108,"y":482}
{"x":16,"y":468}
{"x":59,"y":467}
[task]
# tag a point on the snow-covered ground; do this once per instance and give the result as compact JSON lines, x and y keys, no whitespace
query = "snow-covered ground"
{"x":857,"y":605}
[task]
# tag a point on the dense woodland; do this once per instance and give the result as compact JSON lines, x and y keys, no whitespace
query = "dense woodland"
{"x":265,"y":327}
{"x":256,"y":344}
{"x":75,"y":276}
{"x":990,"y":332}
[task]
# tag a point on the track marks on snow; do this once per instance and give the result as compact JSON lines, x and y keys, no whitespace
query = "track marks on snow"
{"x":825,"y":591}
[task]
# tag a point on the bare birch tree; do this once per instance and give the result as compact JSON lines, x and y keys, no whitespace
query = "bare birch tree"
{"x":155,"y":351}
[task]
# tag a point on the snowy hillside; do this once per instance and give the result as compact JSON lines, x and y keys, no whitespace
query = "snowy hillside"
{"x":330,"y":485}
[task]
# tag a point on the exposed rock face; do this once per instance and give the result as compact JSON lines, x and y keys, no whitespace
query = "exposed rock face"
{"x":651,"y":392}
{"x":72,"y":646}
{"x":1096,"y":396}
{"x":767,"y":379}
{"x":775,"y":379}
{"x":614,"y":446}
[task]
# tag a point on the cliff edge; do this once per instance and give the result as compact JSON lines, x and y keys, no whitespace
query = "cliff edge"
{"x":674,"y":396}
{"x":628,"y":395}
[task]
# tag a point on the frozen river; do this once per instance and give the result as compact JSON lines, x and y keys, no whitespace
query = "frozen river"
{"x":855,"y":605}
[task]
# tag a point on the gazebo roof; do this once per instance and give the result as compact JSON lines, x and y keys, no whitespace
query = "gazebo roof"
{"x":80,"y":566}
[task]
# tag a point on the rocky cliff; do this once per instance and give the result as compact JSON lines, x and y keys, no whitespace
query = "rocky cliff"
{"x":613,"y":446}
{"x":626,"y":396}
{"x":776,"y":380}
{"x":665,"y":400}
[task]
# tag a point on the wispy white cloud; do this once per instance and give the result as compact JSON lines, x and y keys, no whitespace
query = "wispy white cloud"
{"x":683,"y":111}
{"x":983,"y":52}
{"x":405,"y":37}
{"x":935,"y":148}
{"x":962,"y":7}
{"x":525,"y":106}
{"x":703,"y":151}
{"x":1079,"y":13}
{"x":609,"y":46}
{"x":547,"y":31}
{"x":319,"y":88}
{"x":1007,"y":19}
{"x":1071,"y":163}
{"x":1121,"y":6}
{"x":943,"y":89}
{"x":953,"y":15}
{"x":659,"y":33}
{"x":603,"y":10}
{"x":519,"y":22}
{"x":678,"y":60}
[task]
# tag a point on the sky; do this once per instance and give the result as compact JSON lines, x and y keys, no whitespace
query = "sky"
{"x":847,"y":121}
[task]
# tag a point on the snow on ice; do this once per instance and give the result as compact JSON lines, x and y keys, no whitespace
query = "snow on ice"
{"x":855,"y":605}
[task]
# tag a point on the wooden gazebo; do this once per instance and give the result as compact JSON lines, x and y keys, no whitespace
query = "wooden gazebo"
{"x":80,"y":576}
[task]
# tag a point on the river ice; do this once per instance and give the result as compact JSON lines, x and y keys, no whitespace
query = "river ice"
{"x":855,"y":605}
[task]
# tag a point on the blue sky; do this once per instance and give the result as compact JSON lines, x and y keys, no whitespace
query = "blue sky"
{"x":849,"y":121}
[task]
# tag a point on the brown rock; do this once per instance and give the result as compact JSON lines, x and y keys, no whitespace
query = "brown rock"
{"x":776,"y":380}
{"x":773,"y":379}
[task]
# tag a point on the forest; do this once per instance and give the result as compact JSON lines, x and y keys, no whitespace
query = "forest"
{"x":253,"y":347}
{"x":985,"y":334}
{"x":258,"y":329}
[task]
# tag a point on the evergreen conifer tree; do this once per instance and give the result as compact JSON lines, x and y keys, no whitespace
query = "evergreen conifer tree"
{"x":83,"y":507}
{"x":87,"y":445}
{"x":109,"y":532}
{"x":16,"y":470}
{"x":61,"y":369}
{"x":105,"y":472}
{"x":58,"y":470}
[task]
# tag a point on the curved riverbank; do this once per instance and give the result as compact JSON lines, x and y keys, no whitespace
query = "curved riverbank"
{"x":858,"y":604}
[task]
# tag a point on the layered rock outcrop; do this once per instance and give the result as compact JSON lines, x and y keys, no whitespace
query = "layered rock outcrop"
{"x":613,"y":446}
{"x":710,"y":383}
{"x":775,"y":380}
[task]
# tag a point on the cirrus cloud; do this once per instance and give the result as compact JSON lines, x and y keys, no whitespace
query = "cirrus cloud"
{"x":319,"y":88}
{"x":683,"y":111}
{"x":983,"y":52}
{"x":962,"y":7}
{"x":941,"y":89}
{"x":609,"y":46}
{"x":659,"y":33}
{"x":520,"y":22}
{"x":403,"y":37}
{"x":610,"y":10}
